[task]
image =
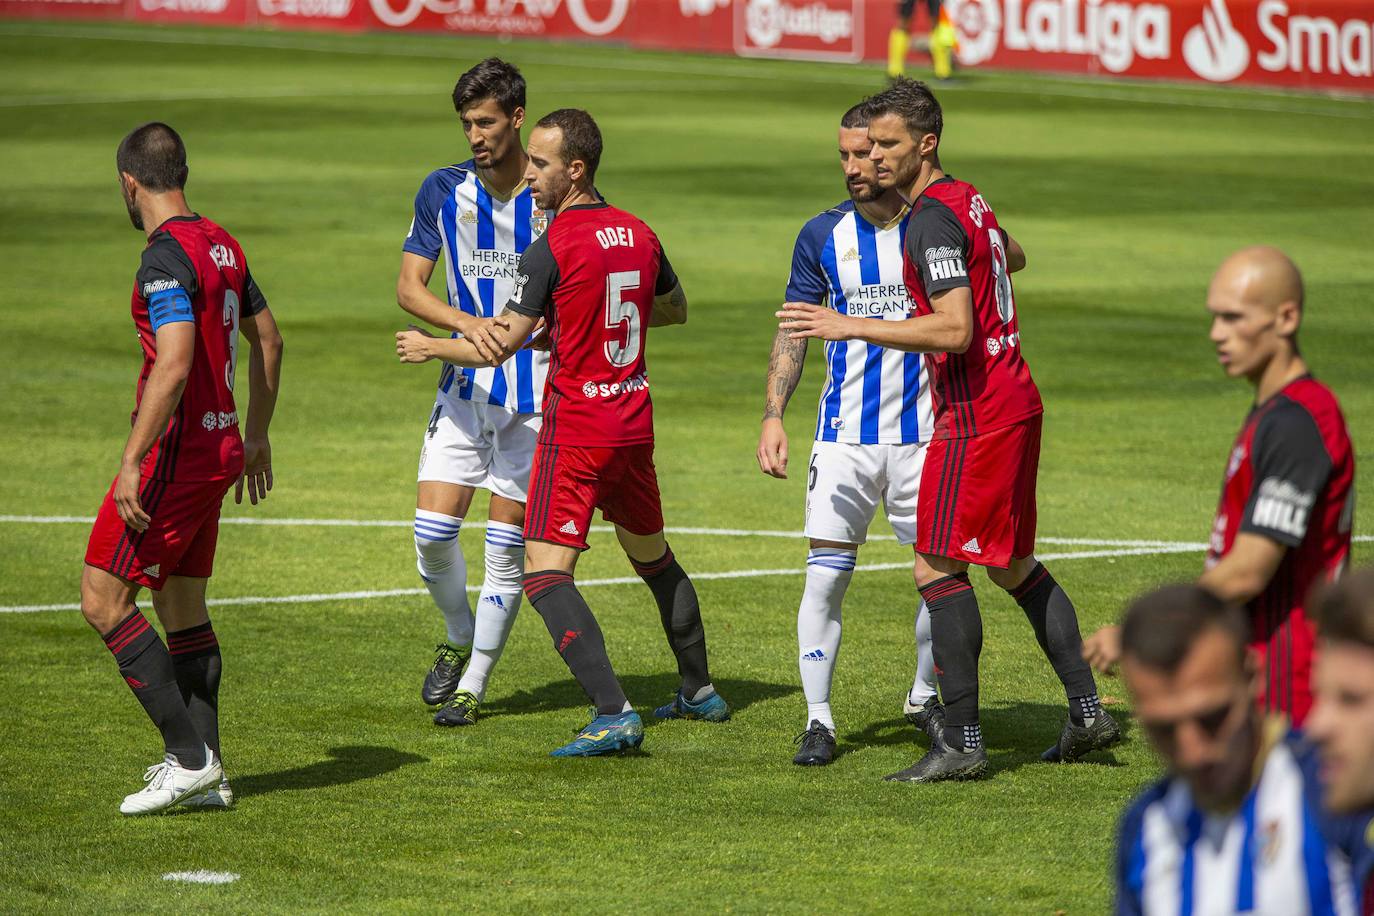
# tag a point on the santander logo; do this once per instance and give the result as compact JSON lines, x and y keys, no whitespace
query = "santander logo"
{"x":1214,"y":49}
{"x":410,"y":10}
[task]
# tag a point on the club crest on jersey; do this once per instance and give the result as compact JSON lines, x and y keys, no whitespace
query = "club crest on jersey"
{"x":851,"y":255}
{"x":539,"y":221}
{"x":1268,"y":841}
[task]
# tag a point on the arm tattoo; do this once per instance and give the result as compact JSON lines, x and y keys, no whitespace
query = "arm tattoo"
{"x":784,"y":372}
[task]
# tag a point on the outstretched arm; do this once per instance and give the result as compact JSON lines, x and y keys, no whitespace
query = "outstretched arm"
{"x":784,"y":372}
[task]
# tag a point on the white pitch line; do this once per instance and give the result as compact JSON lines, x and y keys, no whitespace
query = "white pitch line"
{"x":201,"y":876}
{"x":722,"y":69}
{"x":617,"y":580}
{"x":710,"y":532}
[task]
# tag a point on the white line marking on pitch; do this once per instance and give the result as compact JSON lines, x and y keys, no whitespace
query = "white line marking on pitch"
{"x":620,"y":580}
{"x":201,"y":876}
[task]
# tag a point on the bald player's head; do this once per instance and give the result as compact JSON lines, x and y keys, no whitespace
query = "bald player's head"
{"x":1256,"y":303}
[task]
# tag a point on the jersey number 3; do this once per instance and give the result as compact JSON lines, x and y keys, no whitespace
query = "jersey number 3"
{"x":622,"y":313}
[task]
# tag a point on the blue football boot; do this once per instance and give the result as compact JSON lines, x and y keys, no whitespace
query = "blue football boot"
{"x":605,"y":735}
{"x":712,"y":709}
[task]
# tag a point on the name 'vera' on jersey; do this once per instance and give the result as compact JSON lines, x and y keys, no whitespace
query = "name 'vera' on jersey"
{"x":482,"y":237}
{"x":872,"y":394}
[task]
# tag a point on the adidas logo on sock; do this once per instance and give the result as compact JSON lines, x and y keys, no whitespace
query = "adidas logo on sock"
{"x":569,"y":528}
{"x":815,"y":655}
{"x":972,"y":546}
{"x":568,"y":637}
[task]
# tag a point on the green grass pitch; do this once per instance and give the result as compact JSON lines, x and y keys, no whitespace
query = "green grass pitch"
{"x":310,"y":148}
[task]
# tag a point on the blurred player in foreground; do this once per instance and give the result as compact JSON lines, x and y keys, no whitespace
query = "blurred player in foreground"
{"x":942,"y":40}
{"x":159,"y":523}
{"x":1341,"y":722}
{"x":977,"y":494}
{"x":1237,"y":825}
{"x":873,"y":425}
{"x":1287,"y":503}
{"x":482,"y":430}
{"x":598,"y":280}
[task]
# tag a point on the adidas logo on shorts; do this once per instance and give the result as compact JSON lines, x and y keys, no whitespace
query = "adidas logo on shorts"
{"x":972,"y":546}
{"x":569,"y":528}
{"x":153,"y":570}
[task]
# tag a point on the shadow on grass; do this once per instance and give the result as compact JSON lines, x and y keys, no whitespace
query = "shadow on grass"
{"x":345,"y":765}
{"x":645,"y":691}
{"x":1016,"y":734}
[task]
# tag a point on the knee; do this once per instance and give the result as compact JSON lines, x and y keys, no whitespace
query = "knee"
{"x":102,"y":610}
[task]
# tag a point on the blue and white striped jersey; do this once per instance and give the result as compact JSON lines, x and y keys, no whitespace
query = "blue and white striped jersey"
{"x":482,"y":238}
{"x":1279,"y":854}
{"x":871,"y":394}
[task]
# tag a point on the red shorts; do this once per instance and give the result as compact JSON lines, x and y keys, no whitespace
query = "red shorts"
{"x":569,"y":482}
{"x":180,"y":539}
{"x":977,"y":497}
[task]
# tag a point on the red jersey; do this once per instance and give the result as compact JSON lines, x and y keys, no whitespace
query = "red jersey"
{"x":1290,"y":479}
{"x":192,"y":270}
{"x":592,"y":277}
{"x":953,"y":240}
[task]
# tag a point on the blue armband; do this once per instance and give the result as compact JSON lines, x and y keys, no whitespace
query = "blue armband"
{"x":169,"y":305}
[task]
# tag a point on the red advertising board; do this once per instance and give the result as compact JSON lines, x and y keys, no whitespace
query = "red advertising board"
{"x":1311,"y":44}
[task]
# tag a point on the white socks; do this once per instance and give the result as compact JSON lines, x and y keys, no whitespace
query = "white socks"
{"x":828,"y":571}
{"x":498,"y":604}
{"x":439,"y":559}
{"x":924,"y":686}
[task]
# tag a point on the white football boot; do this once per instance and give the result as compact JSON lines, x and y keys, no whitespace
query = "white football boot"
{"x":168,"y":782}
{"x":221,"y":796}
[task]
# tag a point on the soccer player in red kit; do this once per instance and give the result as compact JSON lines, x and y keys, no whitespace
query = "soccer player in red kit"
{"x":1287,"y":499}
{"x":158,"y":524}
{"x":977,"y":496}
{"x":597,"y":279}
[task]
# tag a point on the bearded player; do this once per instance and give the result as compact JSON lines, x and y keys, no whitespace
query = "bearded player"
{"x":1287,"y":502}
{"x":598,"y":279}
{"x":159,"y":523}
{"x":482,"y":430}
{"x":871,"y":430}
{"x":977,"y":495}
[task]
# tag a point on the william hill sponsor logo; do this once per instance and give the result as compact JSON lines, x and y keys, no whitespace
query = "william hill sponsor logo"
{"x":1282,"y":507}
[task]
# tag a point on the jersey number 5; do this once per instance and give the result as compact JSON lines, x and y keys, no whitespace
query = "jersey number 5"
{"x":1006,"y":308}
{"x":622,"y":313}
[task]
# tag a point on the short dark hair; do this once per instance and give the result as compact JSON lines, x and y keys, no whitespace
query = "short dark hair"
{"x":913,"y":102}
{"x":858,"y":116}
{"x":154,"y":154}
{"x":1162,"y":626}
{"x":581,"y":137}
{"x":1345,"y":609}
{"x":493,"y":78}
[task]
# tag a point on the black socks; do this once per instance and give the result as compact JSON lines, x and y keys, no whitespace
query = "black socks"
{"x":681,"y":616}
{"x":576,"y":636}
{"x":196,"y":659}
{"x":956,"y":630}
{"x":1052,"y":616}
{"x":147,"y":669}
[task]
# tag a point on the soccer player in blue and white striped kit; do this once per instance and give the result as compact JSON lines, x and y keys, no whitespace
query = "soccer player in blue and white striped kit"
{"x":482,"y":430}
{"x":1239,"y":823}
{"x":872,"y":427}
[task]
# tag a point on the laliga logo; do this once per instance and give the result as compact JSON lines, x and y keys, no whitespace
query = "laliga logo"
{"x":1214,"y":49}
{"x":978,"y":24}
{"x":766,"y":22}
{"x":577,"y":11}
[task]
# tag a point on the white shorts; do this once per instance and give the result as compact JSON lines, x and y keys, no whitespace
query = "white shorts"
{"x":846,"y":481}
{"x":479,"y":445}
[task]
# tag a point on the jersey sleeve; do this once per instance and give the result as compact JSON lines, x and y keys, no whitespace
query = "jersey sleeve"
{"x":937,"y":244}
{"x":1291,"y":468}
{"x":535,"y":280}
{"x":166,"y":282}
{"x":667,"y":277}
{"x":423,"y":238}
{"x":254,"y":301}
{"x":807,"y":283}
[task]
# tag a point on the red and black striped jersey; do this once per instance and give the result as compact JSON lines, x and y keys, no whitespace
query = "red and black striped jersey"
{"x":1290,"y":479}
{"x":953,"y":240}
{"x":194,"y":271}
